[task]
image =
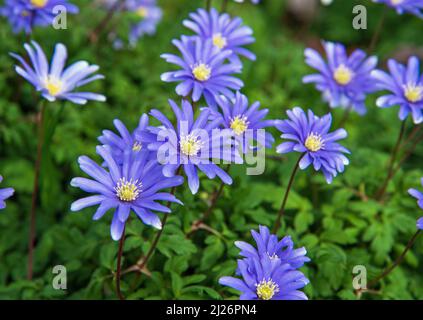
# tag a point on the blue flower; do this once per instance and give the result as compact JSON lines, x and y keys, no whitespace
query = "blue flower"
{"x":401,"y":6}
{"x":252,"y":1}
{"x":204,"y":70}
{"x":5,"y":193}
{"x":238,"y":116}
{"x":150,"y":15}
{"x":25,"y":14}
{"x":193,"y":144}
{"x":133,"y":186}
{"x":134,"y":141}
{"x":419,"y":196}
{"x":268,"y":245}
{"x":225,"y":33}
{"x":265,"y":276}
{"x":55,"y":82}
{"x":343,"y":80}
{"x":310,"y":135}
{"x":406,"y":88}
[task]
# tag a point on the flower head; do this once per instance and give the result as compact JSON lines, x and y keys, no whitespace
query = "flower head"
{"x":405,"y":85}
{"x":134,"y":185}
{"x":135,"y":141}
{"x":252,"y":1}
{"x":25,"y":14}
{"x":419,"y":196}
{"x":268,"y":277}
{"x":149,"y":15}
{"x":268,"y":245}
{"x":55,"y":82}
{"x":192,"y":144}
{"x":244,"y":120}
{"x":405,"y":6}
{"x":310,"y":135}
{"x":225,"y":32}
{"x":204,"y":72}
{"x":343,"y":80}
{"x":5,"y":193}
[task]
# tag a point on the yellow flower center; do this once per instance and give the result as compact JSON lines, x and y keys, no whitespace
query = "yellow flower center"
{"x":137,"y":146}
{"x":267,"y":289}
{"x":190,"y":145}
{"x":53,"y":85}
{"x":219,"y":41}
{"x":314,"y":142}
{"x":39,"y":3}
{"x":413,"y":93}
{"x":239,"y":125}
{"x":128,"y":190}
{"x":142,"y":12}
{"x":396,"y":2}
{"x":201,"y":72}
{"x":343,"y":75}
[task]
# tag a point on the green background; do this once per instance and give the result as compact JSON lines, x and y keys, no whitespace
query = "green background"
{"x":340,"y":224}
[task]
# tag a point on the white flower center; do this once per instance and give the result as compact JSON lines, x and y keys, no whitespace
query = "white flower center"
{"x":190,"y":145}
{"x":314,"y":142}
{"x":201,"y":72}
{"x":343,"y":75}
{"x":239,"y":124}
{"x":397,"y":2}
{"x":413,"y":93}
{"x":219,"y":41}
{"x":128,"y":190}
{"x":267,"y":289}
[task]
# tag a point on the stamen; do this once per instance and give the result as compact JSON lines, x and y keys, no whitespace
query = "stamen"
{"x":137,"y":146}
{"x":39,"y":3}
{"x":201,"y":72}
{"x":190,"y":145}
{"x":343,"y":75}
{"x":267,"y":289}
{"x":239,"y":124}
{"x":314,"y":142}
{"x":396,"y":2}
{"x":53,"y":85}
{"x":219,"y":41}
{"x":142,"y":11}
{"x":413,"y":93}
{"x":128,"y":190}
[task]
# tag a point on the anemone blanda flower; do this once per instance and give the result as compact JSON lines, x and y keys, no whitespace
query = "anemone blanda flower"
{"x":136,"y":141}
{"x":419,"y":196}
{"x":405,"y":6}
{"x":204,"y":70}
{"x":268,"y":277}
{"x":252,"y":1}
{"x":150,"y":15}
{"x":55,"y":82}
{"x":244,"y":120}
{"x":268,"y":244}
{"x":343,"y":80}
{"x":310,"y":136}
{"x":192,"y":144}
{"x":406,"y":88}
{"x":133,"y":186}
{"x":25,"y":14}
{"x":5,"y":193}
{"x":225,"y":32}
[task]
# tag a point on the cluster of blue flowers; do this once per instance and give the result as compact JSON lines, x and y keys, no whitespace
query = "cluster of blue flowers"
{"x":133,"y":175}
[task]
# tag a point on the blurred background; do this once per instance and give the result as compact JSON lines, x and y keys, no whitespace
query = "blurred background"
{"x":339,"y":224}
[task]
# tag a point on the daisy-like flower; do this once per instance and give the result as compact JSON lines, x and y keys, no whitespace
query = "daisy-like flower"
{"x":244,"y":120}
{"x":133,"y":186}
{"x":266,"y":277}
{"x":405,"y":6}
{"x":5,"y":193}
{"x":419,"y":196}
{"x":252,"y":1}
{"x":310,"y":136}
{"x":55,"y":82}
{"x":25,"y":14}
{"x":268,"y":245}
{"x":193,"y":144}
{"x":225,"y":32}
{"x":149,"y":14}
{"x":204,"y":72}
{"x":406,"y":88}
{"x":136,"y":141}
{"x":343,"y":80}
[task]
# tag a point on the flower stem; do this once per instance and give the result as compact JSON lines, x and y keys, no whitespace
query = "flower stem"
{"x":119,"y":265}
{"x":93,"y":36}
{"x":285,"y":198}
{"x":208,"y":4}
{"x":389,"y":176}
{"x":396,"y":263}
{"x":224,"y":5}
{"x":378,"y":30}
{"x":345,"y":117}
{"x":32,"y":218}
